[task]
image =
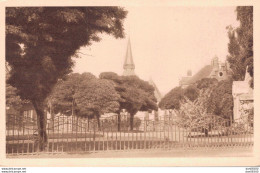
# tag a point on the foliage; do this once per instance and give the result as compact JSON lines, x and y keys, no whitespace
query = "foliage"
{"x":13,"y":101}
{"x":197,"y":105}
{"x":62,"y":98}
{"x":125,"y":123}
{"x":84,"y":95}
{"x":220,"y":101}
{"x":135,"y":94}
{"x":111,"y":123}
{"x":40,"y":42}
{"x":172,"y":99}
{"x":251,"y":117}
{"x":206,"y":83}
{"x":192,"y":114}
{"x":96,"y":97}
{"x":191,"y":92}
{"x":240,"y":45}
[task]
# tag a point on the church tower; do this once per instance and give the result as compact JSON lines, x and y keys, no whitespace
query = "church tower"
{"x":129,"y":66}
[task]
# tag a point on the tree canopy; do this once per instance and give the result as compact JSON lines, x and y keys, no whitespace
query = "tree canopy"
{"x":135,"y":94}
{"x":40,"y":42}
{"x":96,"y":97}
{"x":172,"y":99}
{"x":193,"y":92}
{"x":84,"y":95}
{"x":13,"y":101}
{"x":240,"y":45}
{"x":220,"y":101}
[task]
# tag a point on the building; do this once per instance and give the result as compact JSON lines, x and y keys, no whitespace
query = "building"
{"x":184,"y":81}
{"x":129,"y":68}
{"x":243,"y":97}
{"x":216,"y":69}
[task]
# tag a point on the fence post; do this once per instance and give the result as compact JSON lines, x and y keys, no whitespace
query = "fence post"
{"x":53,"y":134}
{"x":103,"y":135}
{"x":144,"y":134}
{"x":94,"y":136}
{"x":23,"y":132}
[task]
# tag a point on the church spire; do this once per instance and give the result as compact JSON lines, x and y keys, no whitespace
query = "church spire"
{"x":129,"y":65}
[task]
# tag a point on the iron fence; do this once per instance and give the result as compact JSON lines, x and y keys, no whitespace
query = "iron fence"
{"x":71,"y":134}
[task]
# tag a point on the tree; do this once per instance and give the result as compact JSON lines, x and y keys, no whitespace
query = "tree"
{"x":240,"y":45}
{"x":95,"y":98}
{"x":84,"y":95}
{"x":193,"y":113}
{"x":135,"y":95}
{"x":191,"y":92}
{"x":206,"y":83}
{"x":173,"y":99}
{"x":13,"y":101}
{"x":40,"y":42}
{"x":62,"y":98}
{"x":220,"y":102}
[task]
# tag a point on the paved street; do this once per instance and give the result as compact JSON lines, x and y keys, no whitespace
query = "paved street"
{"x":196,"y":152}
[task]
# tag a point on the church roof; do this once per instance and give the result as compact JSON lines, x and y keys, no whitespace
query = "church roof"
{"x":157,"y":93}
{"x":185,"y":80}
{"x":203,"y":73}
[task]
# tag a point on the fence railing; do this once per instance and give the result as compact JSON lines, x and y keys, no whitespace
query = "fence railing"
{"x":73,"y":134}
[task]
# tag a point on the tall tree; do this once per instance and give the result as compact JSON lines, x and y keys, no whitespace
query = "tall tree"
{"x":240,"y":45}
{"x":220,"y":101}
{"x":13,"y":101}
{"x":96,"y":98}
{"x":84,"y":95}
{"x":40,"y":42}
{"x":191,"y":92}
{"x":135,"y":95}
{"x":62,"y":97}
{"x":195,"y":94}
{"x":172,"y":100}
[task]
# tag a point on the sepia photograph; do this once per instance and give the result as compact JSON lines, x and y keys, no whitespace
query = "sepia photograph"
{"x":119,"y":81}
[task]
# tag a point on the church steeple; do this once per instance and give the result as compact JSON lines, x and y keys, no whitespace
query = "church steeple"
{"x":129,"y":65}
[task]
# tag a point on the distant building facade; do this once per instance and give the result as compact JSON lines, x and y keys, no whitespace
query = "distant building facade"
{"x":184,"y":81}
{"x":216,"y":69}
{"x":243,"y":97}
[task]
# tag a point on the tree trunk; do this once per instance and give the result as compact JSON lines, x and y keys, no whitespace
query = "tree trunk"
{"x":156,"y":117}
{"x":206,"y":132}
{"x":131,"y":122}
{"x":170,"y":115}
{"x":41,"y":123}
{"x":118,"y":121}
{"x":88,"y":123}
{"x":98,"y":122}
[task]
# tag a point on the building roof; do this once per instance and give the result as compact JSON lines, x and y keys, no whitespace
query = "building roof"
{"x":203,"y":73}
{"x":185,"y":80}
{"x":157,"y":93}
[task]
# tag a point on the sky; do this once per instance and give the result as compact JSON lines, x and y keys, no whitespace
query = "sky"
{"x":166,"y":42}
